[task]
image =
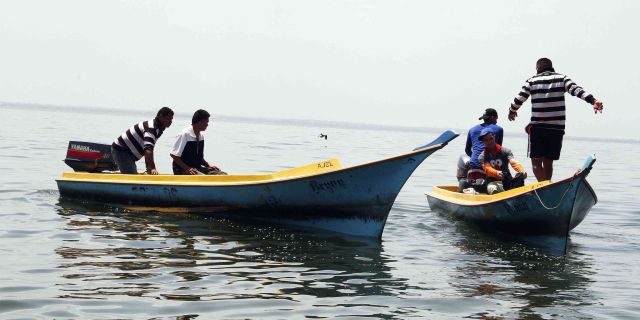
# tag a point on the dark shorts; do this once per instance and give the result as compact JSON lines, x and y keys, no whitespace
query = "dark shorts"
{"x":545,"y":143}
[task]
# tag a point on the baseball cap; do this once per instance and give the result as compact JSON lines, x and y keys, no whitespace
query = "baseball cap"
{"x":489,"y":112}
{"x":484,"y":132}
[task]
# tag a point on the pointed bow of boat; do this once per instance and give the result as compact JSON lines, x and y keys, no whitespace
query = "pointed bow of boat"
{"x":440,"y":141}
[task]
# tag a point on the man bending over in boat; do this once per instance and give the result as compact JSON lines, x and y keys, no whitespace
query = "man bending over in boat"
{"x":138,"y":141}
{"x":188,"y":151}
{"x":495,"y":160}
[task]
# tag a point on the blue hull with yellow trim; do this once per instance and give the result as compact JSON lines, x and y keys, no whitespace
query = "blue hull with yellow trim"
{"x":354,"y":200}
{"x":542,"y":212}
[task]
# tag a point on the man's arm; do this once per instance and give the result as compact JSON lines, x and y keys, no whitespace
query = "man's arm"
{"x":210,"y":166}
{"x":491,"y":172}
{"x":467,"y":149}
{"x":148,"y":159}
{"x":515,"y":164}
{"x":149,"y":144}
{"x":521,"y":98}
{"x":488,"y":169}
{"x":183,"y":165}
{"x":518,"y":167}
{"x":577,"y":91}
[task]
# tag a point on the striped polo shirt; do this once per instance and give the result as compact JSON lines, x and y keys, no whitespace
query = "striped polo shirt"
{"x":139,"y":137}
{"x":547,"y":91}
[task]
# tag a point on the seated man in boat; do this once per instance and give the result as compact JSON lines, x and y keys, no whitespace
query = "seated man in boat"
{"x":495,"y":160}
{"x":188,"y":150}
{"x":474,"y":147}
{"x":470,"y":170}
{"x":139,"y":141}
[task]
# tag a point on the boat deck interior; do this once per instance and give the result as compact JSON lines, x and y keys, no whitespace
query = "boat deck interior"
{"x":451,"y":193}
{"x":310,"y":169}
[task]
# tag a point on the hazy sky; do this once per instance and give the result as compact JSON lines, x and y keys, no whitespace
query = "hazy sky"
{"x":412,"y":63}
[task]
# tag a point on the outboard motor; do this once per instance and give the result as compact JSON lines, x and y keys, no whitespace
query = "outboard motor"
{"x":473,"y":181}
{"x":463,"y":167}
{"x":89,"y":157}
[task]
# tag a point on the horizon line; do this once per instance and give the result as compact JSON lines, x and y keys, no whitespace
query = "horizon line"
{"x":275,"y":121}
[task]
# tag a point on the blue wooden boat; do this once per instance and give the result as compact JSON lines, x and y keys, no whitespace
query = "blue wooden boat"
{"x":353,"y":200}
{"x":541,"y":213}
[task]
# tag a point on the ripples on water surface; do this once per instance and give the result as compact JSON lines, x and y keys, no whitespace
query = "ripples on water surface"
{"x":67,"y":259}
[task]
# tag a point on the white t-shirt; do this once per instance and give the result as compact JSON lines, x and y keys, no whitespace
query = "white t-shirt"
{"x":187,"y":135}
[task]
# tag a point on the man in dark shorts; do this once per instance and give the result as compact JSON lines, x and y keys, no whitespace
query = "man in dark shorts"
{"x":545,"y":143}
{"x":546,"y":129}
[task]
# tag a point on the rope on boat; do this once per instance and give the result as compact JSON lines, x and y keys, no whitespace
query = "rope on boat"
{"x":561,"y":199}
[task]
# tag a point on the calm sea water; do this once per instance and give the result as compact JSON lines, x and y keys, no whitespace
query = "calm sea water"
{"x":65,"y":259}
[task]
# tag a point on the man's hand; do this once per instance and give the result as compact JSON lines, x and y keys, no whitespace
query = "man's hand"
{"x":597,"y":106}
{"x":193,"y":171}
{"x":512,"y":115}
{"x":500,"y":175}
{"x":154,"y":172}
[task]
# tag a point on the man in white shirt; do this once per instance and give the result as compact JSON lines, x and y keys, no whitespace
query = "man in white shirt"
{"x":188,"y":150}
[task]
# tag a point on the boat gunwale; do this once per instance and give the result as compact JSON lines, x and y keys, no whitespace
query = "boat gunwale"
{"x":440,"y":194}
{"x":150,"y":181}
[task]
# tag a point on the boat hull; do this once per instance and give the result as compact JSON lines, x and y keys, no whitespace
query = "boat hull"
{"x":354,"y":200}
{"x":355,"y":197}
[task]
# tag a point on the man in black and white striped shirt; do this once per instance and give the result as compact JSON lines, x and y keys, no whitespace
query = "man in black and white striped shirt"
{"x":139,"y":141}
{"x":546,"y":129}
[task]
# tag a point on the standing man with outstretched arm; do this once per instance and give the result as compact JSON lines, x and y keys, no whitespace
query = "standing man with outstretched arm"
{"x":139,"y":141}
{"x":546,"y":129}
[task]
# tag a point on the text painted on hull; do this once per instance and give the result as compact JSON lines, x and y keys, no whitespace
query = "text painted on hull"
{"x":330,"y":186}
{"x":325,"y":164}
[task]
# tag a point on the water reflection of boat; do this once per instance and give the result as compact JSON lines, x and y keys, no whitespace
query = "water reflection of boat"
{"x":354,"y":200}
{"x":535,"y":285}
{"x":541,"y":213}
{"x":183,"y":257}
